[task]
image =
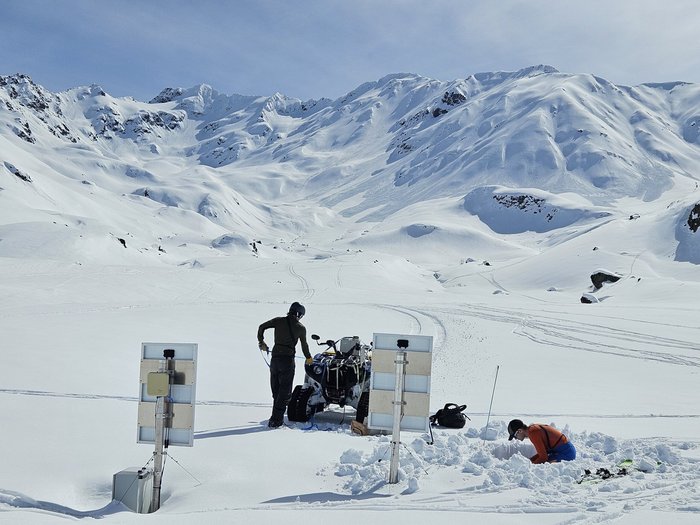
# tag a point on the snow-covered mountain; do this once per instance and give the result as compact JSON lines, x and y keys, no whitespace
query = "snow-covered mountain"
{"x":534,"y":150}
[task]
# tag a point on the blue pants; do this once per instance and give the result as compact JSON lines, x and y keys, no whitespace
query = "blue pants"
{"x":564,"y":452}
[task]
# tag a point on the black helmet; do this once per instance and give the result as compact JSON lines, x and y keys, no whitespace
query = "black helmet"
{"x":297,"y":310}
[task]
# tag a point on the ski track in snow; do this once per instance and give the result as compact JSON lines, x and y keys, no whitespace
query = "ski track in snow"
{"x":338,"y":280}
{"x":438,"y":327}
{"x":131,"y":399}
{"x":589,"y":337}
{"x":134,"y":399}
{"x":563,"y":336}
{"x":306,"y":503}
{"x":308,"y":292}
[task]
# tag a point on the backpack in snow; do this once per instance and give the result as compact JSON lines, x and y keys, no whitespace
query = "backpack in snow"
{"x":450,"y":416}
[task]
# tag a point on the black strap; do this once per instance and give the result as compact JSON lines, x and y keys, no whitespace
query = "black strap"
{"x":546,"y":436}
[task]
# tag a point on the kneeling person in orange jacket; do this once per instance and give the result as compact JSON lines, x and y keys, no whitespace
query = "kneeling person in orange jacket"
{"x":551,"y":445}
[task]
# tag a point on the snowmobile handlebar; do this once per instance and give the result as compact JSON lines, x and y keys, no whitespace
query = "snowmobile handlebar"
{"x":328,"y":342}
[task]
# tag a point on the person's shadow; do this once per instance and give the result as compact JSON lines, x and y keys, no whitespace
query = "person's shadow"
{"x":331,"y":419}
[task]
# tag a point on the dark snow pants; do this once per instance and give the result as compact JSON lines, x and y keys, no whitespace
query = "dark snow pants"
{"x":281,"y":382}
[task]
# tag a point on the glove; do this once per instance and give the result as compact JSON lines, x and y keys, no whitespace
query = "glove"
{"x":262,"y":346}
{"x":308,"y":361}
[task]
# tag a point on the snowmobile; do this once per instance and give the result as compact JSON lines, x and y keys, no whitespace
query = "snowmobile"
{"x":337,"y":376}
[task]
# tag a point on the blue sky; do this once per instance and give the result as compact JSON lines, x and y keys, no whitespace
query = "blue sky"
{"x":326,"y":48}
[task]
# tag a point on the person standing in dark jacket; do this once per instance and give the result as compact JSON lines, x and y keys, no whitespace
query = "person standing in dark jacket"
{"x":288,"y":330}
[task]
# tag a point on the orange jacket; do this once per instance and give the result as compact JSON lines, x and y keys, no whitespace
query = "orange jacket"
{"x":544,"y":438}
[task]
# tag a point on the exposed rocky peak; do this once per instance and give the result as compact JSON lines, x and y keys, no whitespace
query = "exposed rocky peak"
{"x":408,"y":129}
{"x":91,"y":91}
{"x":24,"y":98}
{"x":203,"y":92}
{"x":167,"y":95}
{"x":106,"y":120}
{"x":448,"y":100}
{"x":148,"y":122}
{"x":199,"y":100}
{"x":22,"y":90}
{"x":453,"y":98}
{"x":110,"y":121}
{"x":312,"y":105}
{"x":202,"y":102}
{"x":282,"y":105}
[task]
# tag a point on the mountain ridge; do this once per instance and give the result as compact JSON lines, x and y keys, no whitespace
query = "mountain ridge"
{"x":401,"y":141}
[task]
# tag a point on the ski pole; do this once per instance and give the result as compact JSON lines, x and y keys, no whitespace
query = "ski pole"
{"x":491,"y":404}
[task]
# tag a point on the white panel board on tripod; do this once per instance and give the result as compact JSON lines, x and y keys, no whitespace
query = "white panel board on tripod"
{"x":416,"y":391}
{"x":182,"y":392}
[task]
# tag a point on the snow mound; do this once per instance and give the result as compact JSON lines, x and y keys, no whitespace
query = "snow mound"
{"x":507,"y":210}
{"x":418,"y":230}
{"x":230,"y":241}
{"x":420,"y":241}
{"x":494,"y":467}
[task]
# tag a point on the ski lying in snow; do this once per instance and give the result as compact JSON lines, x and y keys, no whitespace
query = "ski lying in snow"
{"x":601,"y":474}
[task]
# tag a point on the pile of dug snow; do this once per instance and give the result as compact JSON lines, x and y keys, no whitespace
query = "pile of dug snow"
{"x":476,"y":465}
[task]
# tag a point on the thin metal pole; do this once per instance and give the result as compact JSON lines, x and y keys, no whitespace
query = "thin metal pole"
{"x":398,"y":411}
{"x":491,"y":404}
{"x":158,"y":454}
{"x":162,"y":421}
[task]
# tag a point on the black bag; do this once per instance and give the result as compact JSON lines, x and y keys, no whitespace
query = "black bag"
{"x":450,"y":416}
